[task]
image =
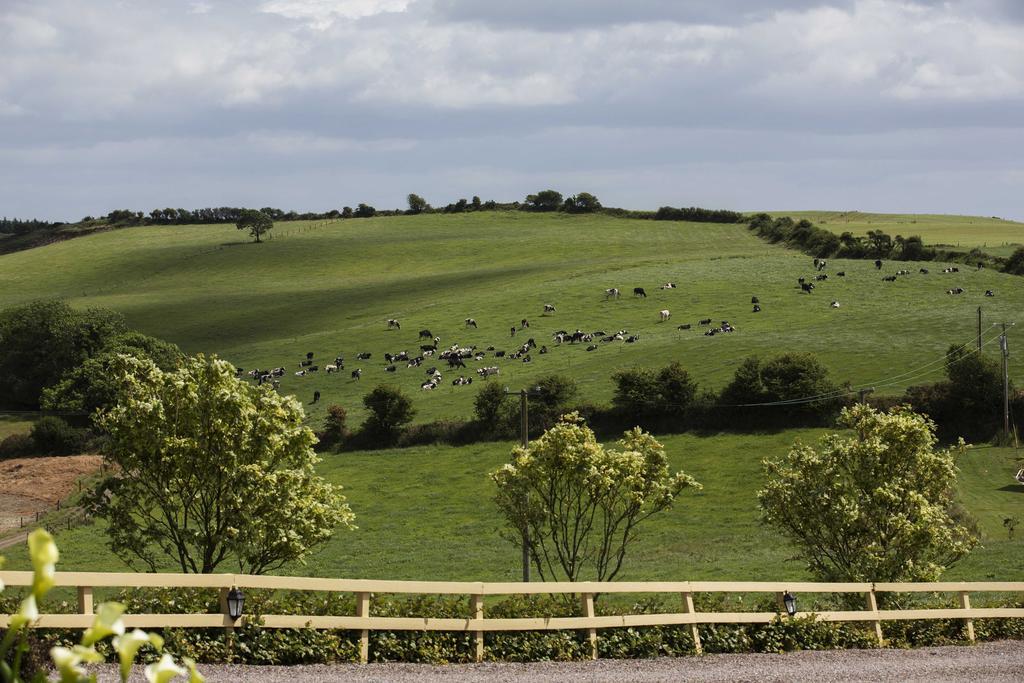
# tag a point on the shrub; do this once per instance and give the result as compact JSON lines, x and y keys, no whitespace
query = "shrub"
{"x":53,"y":436}
{"x":452,"y":432}
{"x":16,"y":446}
{"x":642,"y":394}
{"x":545,"y":200}
{"x":390,"y":410}
{"x":775,"y":390}
{"x":875,"y":506}
{"x":1015,"y":264}
{"x":491,"y":410}
{"x":42,"y":340}
{"x":676,"y":389}
{"x":636,"y":390}
{"x":335,"y":430}
{"x":697,"y":214}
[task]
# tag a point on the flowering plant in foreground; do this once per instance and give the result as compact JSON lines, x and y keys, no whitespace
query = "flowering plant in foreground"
{"x":107,"y":622}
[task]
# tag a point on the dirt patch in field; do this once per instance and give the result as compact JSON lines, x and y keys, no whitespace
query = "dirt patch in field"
{"x":30,"y":485}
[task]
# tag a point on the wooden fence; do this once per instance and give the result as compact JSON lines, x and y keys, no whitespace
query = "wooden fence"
{"x":475,"y":621}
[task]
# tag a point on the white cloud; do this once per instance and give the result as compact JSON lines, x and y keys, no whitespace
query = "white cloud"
{"x":137,"y":83}
{"x":889,"y":50}
{"x":321,"y":14}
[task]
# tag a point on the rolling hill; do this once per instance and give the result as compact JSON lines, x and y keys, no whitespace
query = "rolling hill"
{"x":992,"y":235}
{"x":329,"y":288}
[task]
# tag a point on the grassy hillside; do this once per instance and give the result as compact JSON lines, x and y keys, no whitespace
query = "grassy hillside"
{"x":428,"y":513}
{"x":13,"y":425}
{"x":330,"y":289}
{"x":992,"y":235}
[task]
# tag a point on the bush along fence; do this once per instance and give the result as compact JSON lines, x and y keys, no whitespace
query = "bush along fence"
{"x":474,"y":633}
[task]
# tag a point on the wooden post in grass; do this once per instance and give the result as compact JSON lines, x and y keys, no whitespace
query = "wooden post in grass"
{"x":688,"y":608}
{"x":587,"y":602}
{"x":363,"y":610}
{"x":965,"y":603}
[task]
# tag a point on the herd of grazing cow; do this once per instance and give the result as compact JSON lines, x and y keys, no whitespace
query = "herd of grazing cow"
{"x":456,"y":355}
{"x":808,"y":287}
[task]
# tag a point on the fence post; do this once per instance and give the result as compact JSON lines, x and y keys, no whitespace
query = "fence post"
{"x":478,"y":613}
{"x":965,"y":603}
{"x":229,"y":631}
{"x":363,"y":610}
{"x":688,"y":608}
{"x":587,"y":602}
{"x":85,"y":600}
{"x":780,"y":603}
{"x":873,"y":608}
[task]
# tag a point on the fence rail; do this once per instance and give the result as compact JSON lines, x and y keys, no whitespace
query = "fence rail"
{"x":478,"y":624}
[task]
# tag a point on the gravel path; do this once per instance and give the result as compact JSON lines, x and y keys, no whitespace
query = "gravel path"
{"x":998,"y":662}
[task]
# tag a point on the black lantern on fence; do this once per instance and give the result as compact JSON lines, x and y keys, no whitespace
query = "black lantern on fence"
{"x":789,"y":600}
{"x":236,"y":601}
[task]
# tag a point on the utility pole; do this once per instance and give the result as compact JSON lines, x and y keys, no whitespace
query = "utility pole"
{"x":979,"y":329}
{"x":864,"y":394}
{"x":1006,"y":382}
{"x":524,"y":440}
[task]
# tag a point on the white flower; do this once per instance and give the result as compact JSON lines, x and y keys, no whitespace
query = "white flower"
{"x":67,"y":661}
{"x":127,"y":647}
{"x":28,"y":613}
{"x":107,"y":622}
{"x":164,"y":670}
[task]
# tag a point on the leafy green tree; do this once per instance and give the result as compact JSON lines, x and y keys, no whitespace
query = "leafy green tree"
{"x":636,"y":392}
{"x":390,"y":410}
{"x":53,"y":436}
{"x":545,"y":200}
{"x":584,"y":202}
{"x":365,"y":211}
{"x":256,"y":222}
{"x":94,"y":383}
{"x":582,"y":503}
{"x":335,"y":430}
{"x":787,"y":377}
{"x":549,"y":398}
{"x":875,"y":506}
{"x":1015,"y":264}
{"x":208,"y":468}
{"x":676,"y":389}
{"x":490,"y":408}
{"x":417,"y":204}
{"x":913,"y":249}
{"x":42,"y":340}
{"x":880,"y":243}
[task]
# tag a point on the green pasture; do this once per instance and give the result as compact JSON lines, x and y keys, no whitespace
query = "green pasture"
{"x":13,"y":425}
{"x":992,"y":235}
{"x":427,"y":513}
{"x":329,"y":288}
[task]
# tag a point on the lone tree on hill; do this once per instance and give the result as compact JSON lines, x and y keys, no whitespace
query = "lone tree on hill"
{"x":256,"y":222}
{"x":208,"y":469}
{"x":417,"y":204}
{"x":581,"y":502}
{"x":875,"y":506}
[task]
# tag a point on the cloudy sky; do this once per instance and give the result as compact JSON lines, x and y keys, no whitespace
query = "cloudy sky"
{"x":885,"y":105}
